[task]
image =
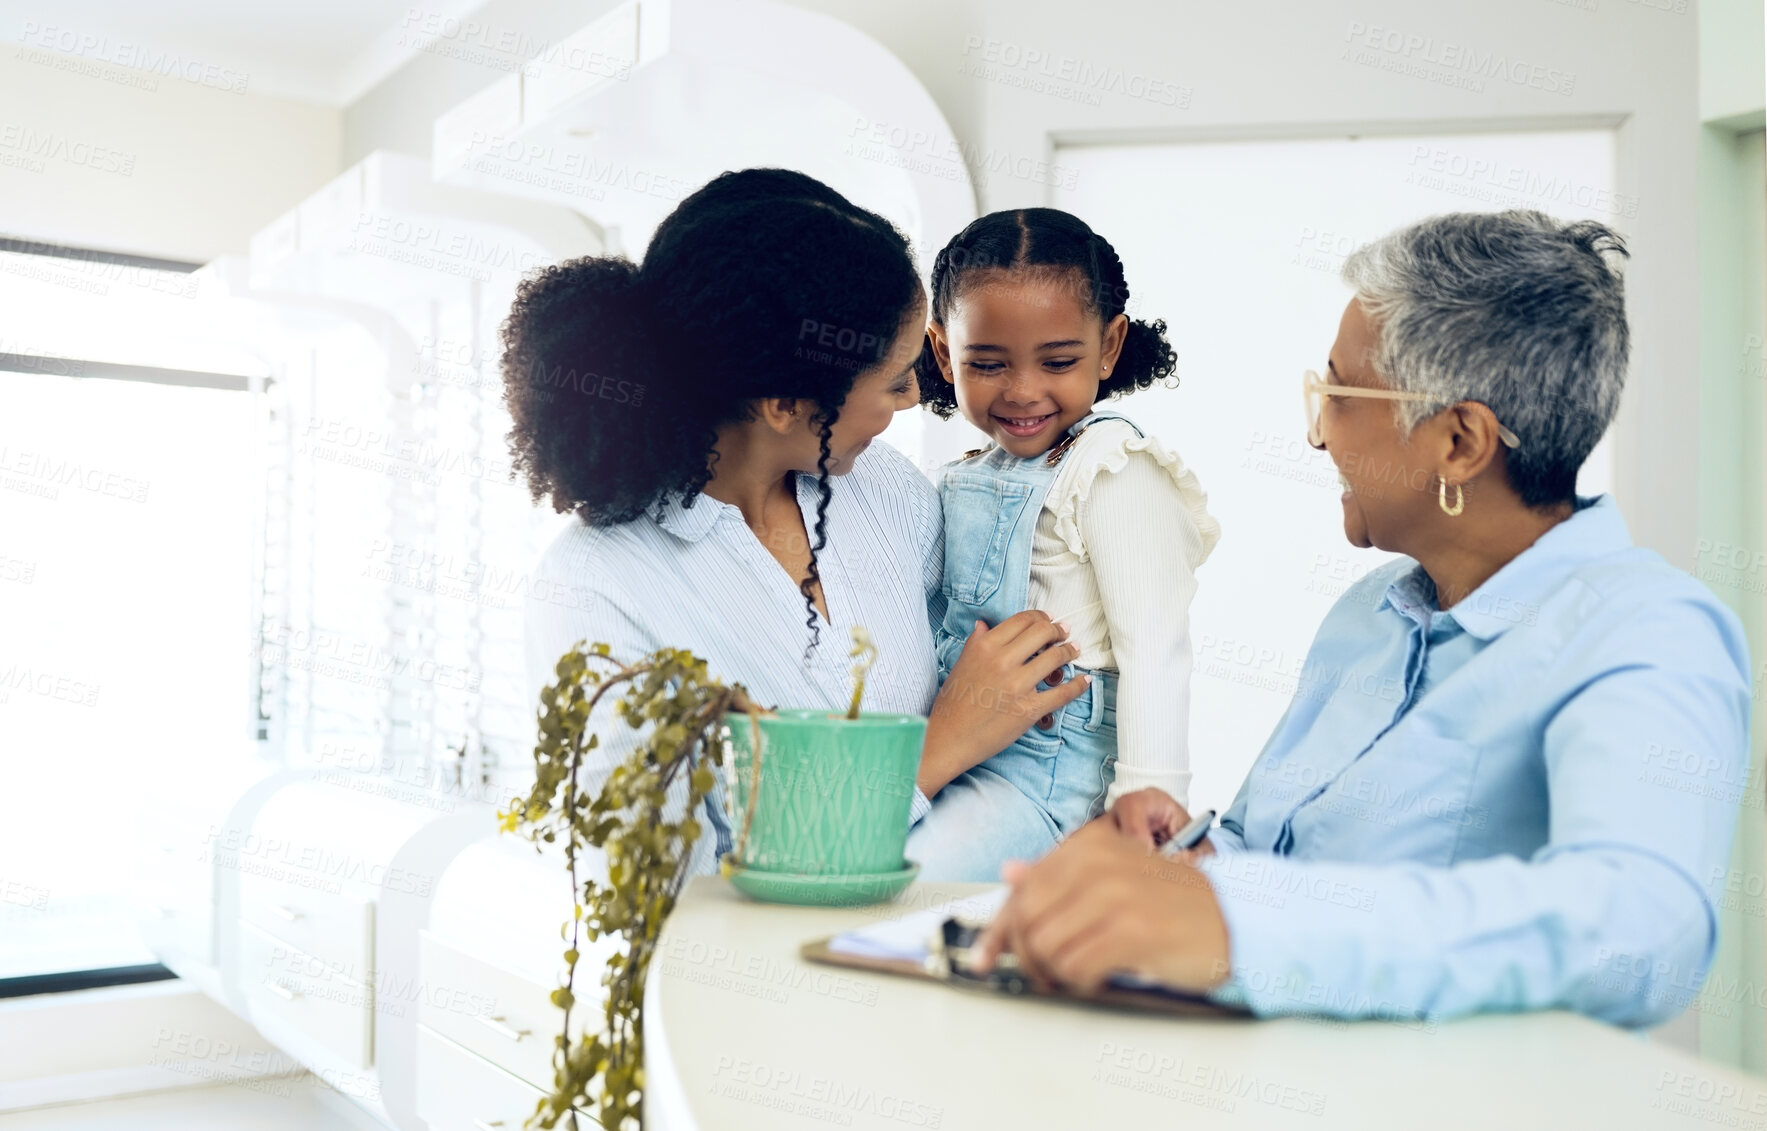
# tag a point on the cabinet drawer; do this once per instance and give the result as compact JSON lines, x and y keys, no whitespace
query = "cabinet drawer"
{"x":295,"y":988}
{"x":336,"y":929}
{"x":457,"y":1091}
{"x":502,"y":1016}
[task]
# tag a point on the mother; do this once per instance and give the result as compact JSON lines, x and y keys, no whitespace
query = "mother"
{"x":1509,"y":775}
{"x":693,"y":414}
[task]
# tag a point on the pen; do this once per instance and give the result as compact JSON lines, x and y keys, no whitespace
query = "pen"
{"x":1190,"y":835}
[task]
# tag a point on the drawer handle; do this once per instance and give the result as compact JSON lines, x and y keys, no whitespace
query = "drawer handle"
{"x":281,"y":991}
{"x":487,"y":1124}
{"x":286,"y":913}
{"x":496,"y":1025}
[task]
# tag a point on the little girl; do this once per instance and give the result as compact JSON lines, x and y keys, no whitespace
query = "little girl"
{"x":1071,"y":510}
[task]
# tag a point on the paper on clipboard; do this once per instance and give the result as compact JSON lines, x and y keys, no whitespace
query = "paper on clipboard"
{"x":909,"y":938}
{"x":902,"y":946}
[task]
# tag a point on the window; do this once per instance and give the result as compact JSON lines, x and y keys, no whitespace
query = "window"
{"x":127,"y":526}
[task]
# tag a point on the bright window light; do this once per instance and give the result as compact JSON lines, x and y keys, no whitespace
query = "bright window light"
{"x":127,"y":519}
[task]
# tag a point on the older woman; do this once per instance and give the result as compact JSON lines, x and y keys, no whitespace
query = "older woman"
{"x":1506,"y":779}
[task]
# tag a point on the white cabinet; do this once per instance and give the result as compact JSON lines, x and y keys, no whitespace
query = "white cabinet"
{"x":493,"y":1012}
{"x":489,"y":962}
{"x":307,"y":874}
{"x":458,"y":1091}
{"x":288,"y":987}
{"x":334,"y":928}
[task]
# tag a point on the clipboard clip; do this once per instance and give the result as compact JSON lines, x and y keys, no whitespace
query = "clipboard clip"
{"x":949,"y":955}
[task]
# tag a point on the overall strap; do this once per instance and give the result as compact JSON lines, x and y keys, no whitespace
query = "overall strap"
{"x":1056,"y":453}
{"x":1104,"y":414}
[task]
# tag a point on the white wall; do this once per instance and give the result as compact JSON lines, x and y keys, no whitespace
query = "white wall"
{"x":1733,"y":507}
{"x":1280,"y":67}
{"x":94,"y":155}
{"x":1733,"y":43}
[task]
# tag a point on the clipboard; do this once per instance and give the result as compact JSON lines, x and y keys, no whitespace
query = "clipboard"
{"x":939,"y":968}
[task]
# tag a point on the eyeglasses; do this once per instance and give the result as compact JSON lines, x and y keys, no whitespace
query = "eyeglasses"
{"x":1314,"y":390}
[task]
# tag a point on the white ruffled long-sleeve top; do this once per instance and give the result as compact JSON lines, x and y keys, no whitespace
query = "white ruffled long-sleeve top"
{"x":1124,"y":527}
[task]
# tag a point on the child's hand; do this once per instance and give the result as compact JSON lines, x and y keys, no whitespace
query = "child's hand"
{"x":992,"y":694}
{"x":1151,"y":817}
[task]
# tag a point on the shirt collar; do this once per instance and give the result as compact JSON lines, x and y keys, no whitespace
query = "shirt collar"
{"x":1513,"y":594}
{"x":692,"y":521}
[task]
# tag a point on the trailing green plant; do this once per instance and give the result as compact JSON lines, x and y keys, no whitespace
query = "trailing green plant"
{"x":647,"y":855}
{"x":864,"y":654}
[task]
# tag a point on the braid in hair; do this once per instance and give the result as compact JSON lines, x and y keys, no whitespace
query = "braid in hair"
{"x":825,"y":430}
{"x":1044,"y":240}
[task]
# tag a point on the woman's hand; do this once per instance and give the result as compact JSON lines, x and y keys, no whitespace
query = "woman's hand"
{"x":991,"y":696}
{"x":1100,"y":905}
{"x":1150,"y":817}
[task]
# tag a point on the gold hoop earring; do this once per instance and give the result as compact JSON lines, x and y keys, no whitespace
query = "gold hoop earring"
{"x":1442,"y":498}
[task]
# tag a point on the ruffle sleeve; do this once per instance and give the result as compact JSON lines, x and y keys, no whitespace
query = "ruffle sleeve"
{"x":1107,"y":446}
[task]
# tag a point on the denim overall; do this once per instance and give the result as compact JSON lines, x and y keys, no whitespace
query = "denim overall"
{"x":1049,"y":782}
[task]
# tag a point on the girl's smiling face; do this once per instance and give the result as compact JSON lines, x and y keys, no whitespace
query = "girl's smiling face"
{"x":1025,"y":355}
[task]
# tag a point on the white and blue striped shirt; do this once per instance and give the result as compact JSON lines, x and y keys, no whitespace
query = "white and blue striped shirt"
{"x":698,"y":578}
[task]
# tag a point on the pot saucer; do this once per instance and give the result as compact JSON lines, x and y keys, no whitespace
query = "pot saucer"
{"x":820,"y":891}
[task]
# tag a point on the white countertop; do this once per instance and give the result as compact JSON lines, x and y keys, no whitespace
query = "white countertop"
{"x":741,"y":1033}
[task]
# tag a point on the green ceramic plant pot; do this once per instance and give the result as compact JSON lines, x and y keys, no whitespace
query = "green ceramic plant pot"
{"x":834,"y":792}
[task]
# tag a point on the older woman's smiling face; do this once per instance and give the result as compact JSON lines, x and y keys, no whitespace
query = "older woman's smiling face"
{"x":1388,"y":483}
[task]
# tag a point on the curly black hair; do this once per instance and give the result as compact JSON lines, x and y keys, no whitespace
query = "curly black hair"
{"x":618,"y":376}
{"x":1044,"y":241}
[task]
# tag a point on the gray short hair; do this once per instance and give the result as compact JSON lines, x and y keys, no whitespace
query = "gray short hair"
{"x":1516,"y":310}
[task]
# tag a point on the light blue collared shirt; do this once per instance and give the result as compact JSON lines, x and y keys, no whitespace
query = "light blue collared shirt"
{"x":1525,"y":801}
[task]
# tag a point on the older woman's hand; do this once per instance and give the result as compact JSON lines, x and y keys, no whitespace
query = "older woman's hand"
{"x":1099,"y":905}
{"x":992,"y":694}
